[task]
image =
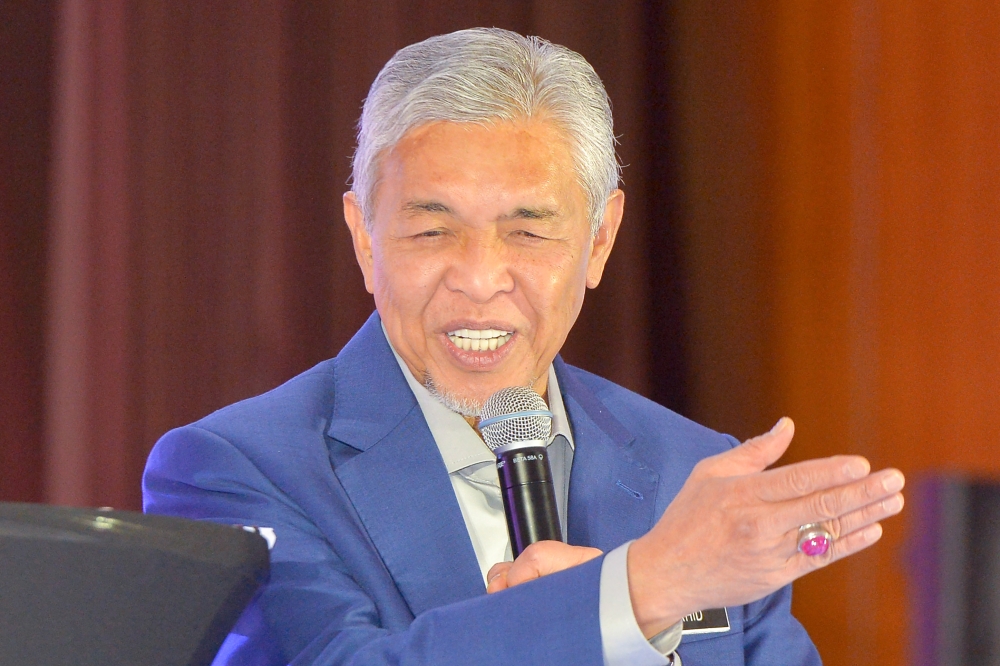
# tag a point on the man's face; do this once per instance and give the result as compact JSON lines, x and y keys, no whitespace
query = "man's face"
{"x":480,"y":252}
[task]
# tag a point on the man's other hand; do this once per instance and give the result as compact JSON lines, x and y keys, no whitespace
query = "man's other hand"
{"x":539,"y":559}
{"x":730,"y":536}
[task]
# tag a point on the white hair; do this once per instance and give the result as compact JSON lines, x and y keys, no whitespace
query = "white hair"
{"x":484,"y":75}
{"x":464,"y":406}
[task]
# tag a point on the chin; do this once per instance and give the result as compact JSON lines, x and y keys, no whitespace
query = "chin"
{"x":465,"y":403}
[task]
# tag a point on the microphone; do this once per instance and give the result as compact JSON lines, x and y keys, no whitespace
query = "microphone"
{"x":516,"y":423}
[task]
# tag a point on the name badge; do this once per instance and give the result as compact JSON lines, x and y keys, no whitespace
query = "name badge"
{"x":711,"y":621}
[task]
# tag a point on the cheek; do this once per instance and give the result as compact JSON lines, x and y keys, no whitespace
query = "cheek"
{"x":403,"y":282}
{"x":554,"y":291}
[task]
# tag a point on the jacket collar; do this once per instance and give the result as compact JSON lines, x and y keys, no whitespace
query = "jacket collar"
{"x":371,"y":397}
{"x":397,"y":482}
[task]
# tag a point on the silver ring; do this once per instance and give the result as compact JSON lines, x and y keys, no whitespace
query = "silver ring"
{"x":814,"y":540}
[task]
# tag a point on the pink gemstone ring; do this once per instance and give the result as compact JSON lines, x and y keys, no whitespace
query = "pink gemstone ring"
{"x":814,"y":540}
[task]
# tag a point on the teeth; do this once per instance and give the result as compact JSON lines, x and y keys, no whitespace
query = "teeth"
{"x":479,"y":339}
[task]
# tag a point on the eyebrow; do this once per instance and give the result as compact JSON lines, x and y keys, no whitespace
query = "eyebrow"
{"x":531,"y":214}
{"x":521,"y":213}
{"x":426,"y":207}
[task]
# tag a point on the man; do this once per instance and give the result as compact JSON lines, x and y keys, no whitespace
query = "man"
{"x":485,"y":202}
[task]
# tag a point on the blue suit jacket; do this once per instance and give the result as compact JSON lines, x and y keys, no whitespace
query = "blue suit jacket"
{"x":372,"y":563}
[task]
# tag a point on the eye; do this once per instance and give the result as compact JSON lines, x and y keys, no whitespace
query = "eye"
{"x":430,"y":233}
{"x":528,"y":235}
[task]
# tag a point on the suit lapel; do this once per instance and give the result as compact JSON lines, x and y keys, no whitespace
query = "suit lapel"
{"x":611,"y":494}
{"x":398,"y":482}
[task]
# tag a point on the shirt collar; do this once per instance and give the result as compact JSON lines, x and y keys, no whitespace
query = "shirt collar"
{"x":458,"y":442}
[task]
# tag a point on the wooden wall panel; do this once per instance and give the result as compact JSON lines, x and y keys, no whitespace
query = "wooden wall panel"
{"x":941,"y":247}
{"x":938,"y":252}
{"x":812,"y":235}
{"x":872,"y":238}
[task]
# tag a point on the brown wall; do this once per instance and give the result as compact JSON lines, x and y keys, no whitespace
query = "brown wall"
{"x":811,"y":229}
{"x":839,"y":165}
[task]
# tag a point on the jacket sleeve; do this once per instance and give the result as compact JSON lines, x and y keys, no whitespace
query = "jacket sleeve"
{"x":313,"y":610}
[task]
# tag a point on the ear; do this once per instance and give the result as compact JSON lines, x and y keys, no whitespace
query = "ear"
{"x":362,"y":238}
{"x":601,"y":244}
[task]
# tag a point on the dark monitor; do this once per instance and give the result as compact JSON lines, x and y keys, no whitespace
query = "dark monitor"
{"x":88,"y":586}
{"x":954,"y":558}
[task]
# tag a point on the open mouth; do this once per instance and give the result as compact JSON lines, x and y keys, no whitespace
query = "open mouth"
{"x":471,"y":339}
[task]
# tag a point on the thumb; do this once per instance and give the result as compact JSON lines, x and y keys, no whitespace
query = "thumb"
{"x":754,"y":455}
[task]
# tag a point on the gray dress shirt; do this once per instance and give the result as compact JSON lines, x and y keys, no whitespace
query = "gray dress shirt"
{"x":472,"y":469}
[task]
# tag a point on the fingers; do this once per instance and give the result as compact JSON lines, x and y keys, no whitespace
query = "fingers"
{"x":851,"y":534}
{"x":543,"y":558}
{"x":862,"y":518}
{"x":497,"y":577}
{"x":801,"y":479}
{"x":833,"y":504}
{"x":856,"y":530}
{"x":537,"y":560}
{"x":546,"y":557}
{"x":754,"y":455}
{"x":841,"y":548}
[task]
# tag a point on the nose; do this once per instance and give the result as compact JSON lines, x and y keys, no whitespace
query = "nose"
{"x":480,"y":271}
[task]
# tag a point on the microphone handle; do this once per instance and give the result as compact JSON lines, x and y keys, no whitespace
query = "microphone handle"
{"x":529,"y":498}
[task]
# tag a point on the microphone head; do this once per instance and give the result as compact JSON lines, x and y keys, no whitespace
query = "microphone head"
{"x":514,"y":414}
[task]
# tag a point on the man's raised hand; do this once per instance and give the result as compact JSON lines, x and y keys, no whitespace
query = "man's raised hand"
{"x":730,"y":535}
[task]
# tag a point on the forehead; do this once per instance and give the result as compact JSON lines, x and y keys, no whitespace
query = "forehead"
{"x":530,"y":157}
{"x":538,"y":136}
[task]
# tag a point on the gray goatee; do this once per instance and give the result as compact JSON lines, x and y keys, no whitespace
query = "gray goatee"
{"x":464,"y":406}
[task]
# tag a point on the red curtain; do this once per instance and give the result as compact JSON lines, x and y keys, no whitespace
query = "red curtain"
{"x":196,"y":250}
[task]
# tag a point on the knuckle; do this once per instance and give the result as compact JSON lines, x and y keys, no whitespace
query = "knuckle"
{"x":546,"y":548}
{"x":701,"y":469}
{"x":748,"y":528}
{"x":532,"y":554}
{"x":799,"y":483}
{"x":827,"y":505}
{"x":872,"y":491}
